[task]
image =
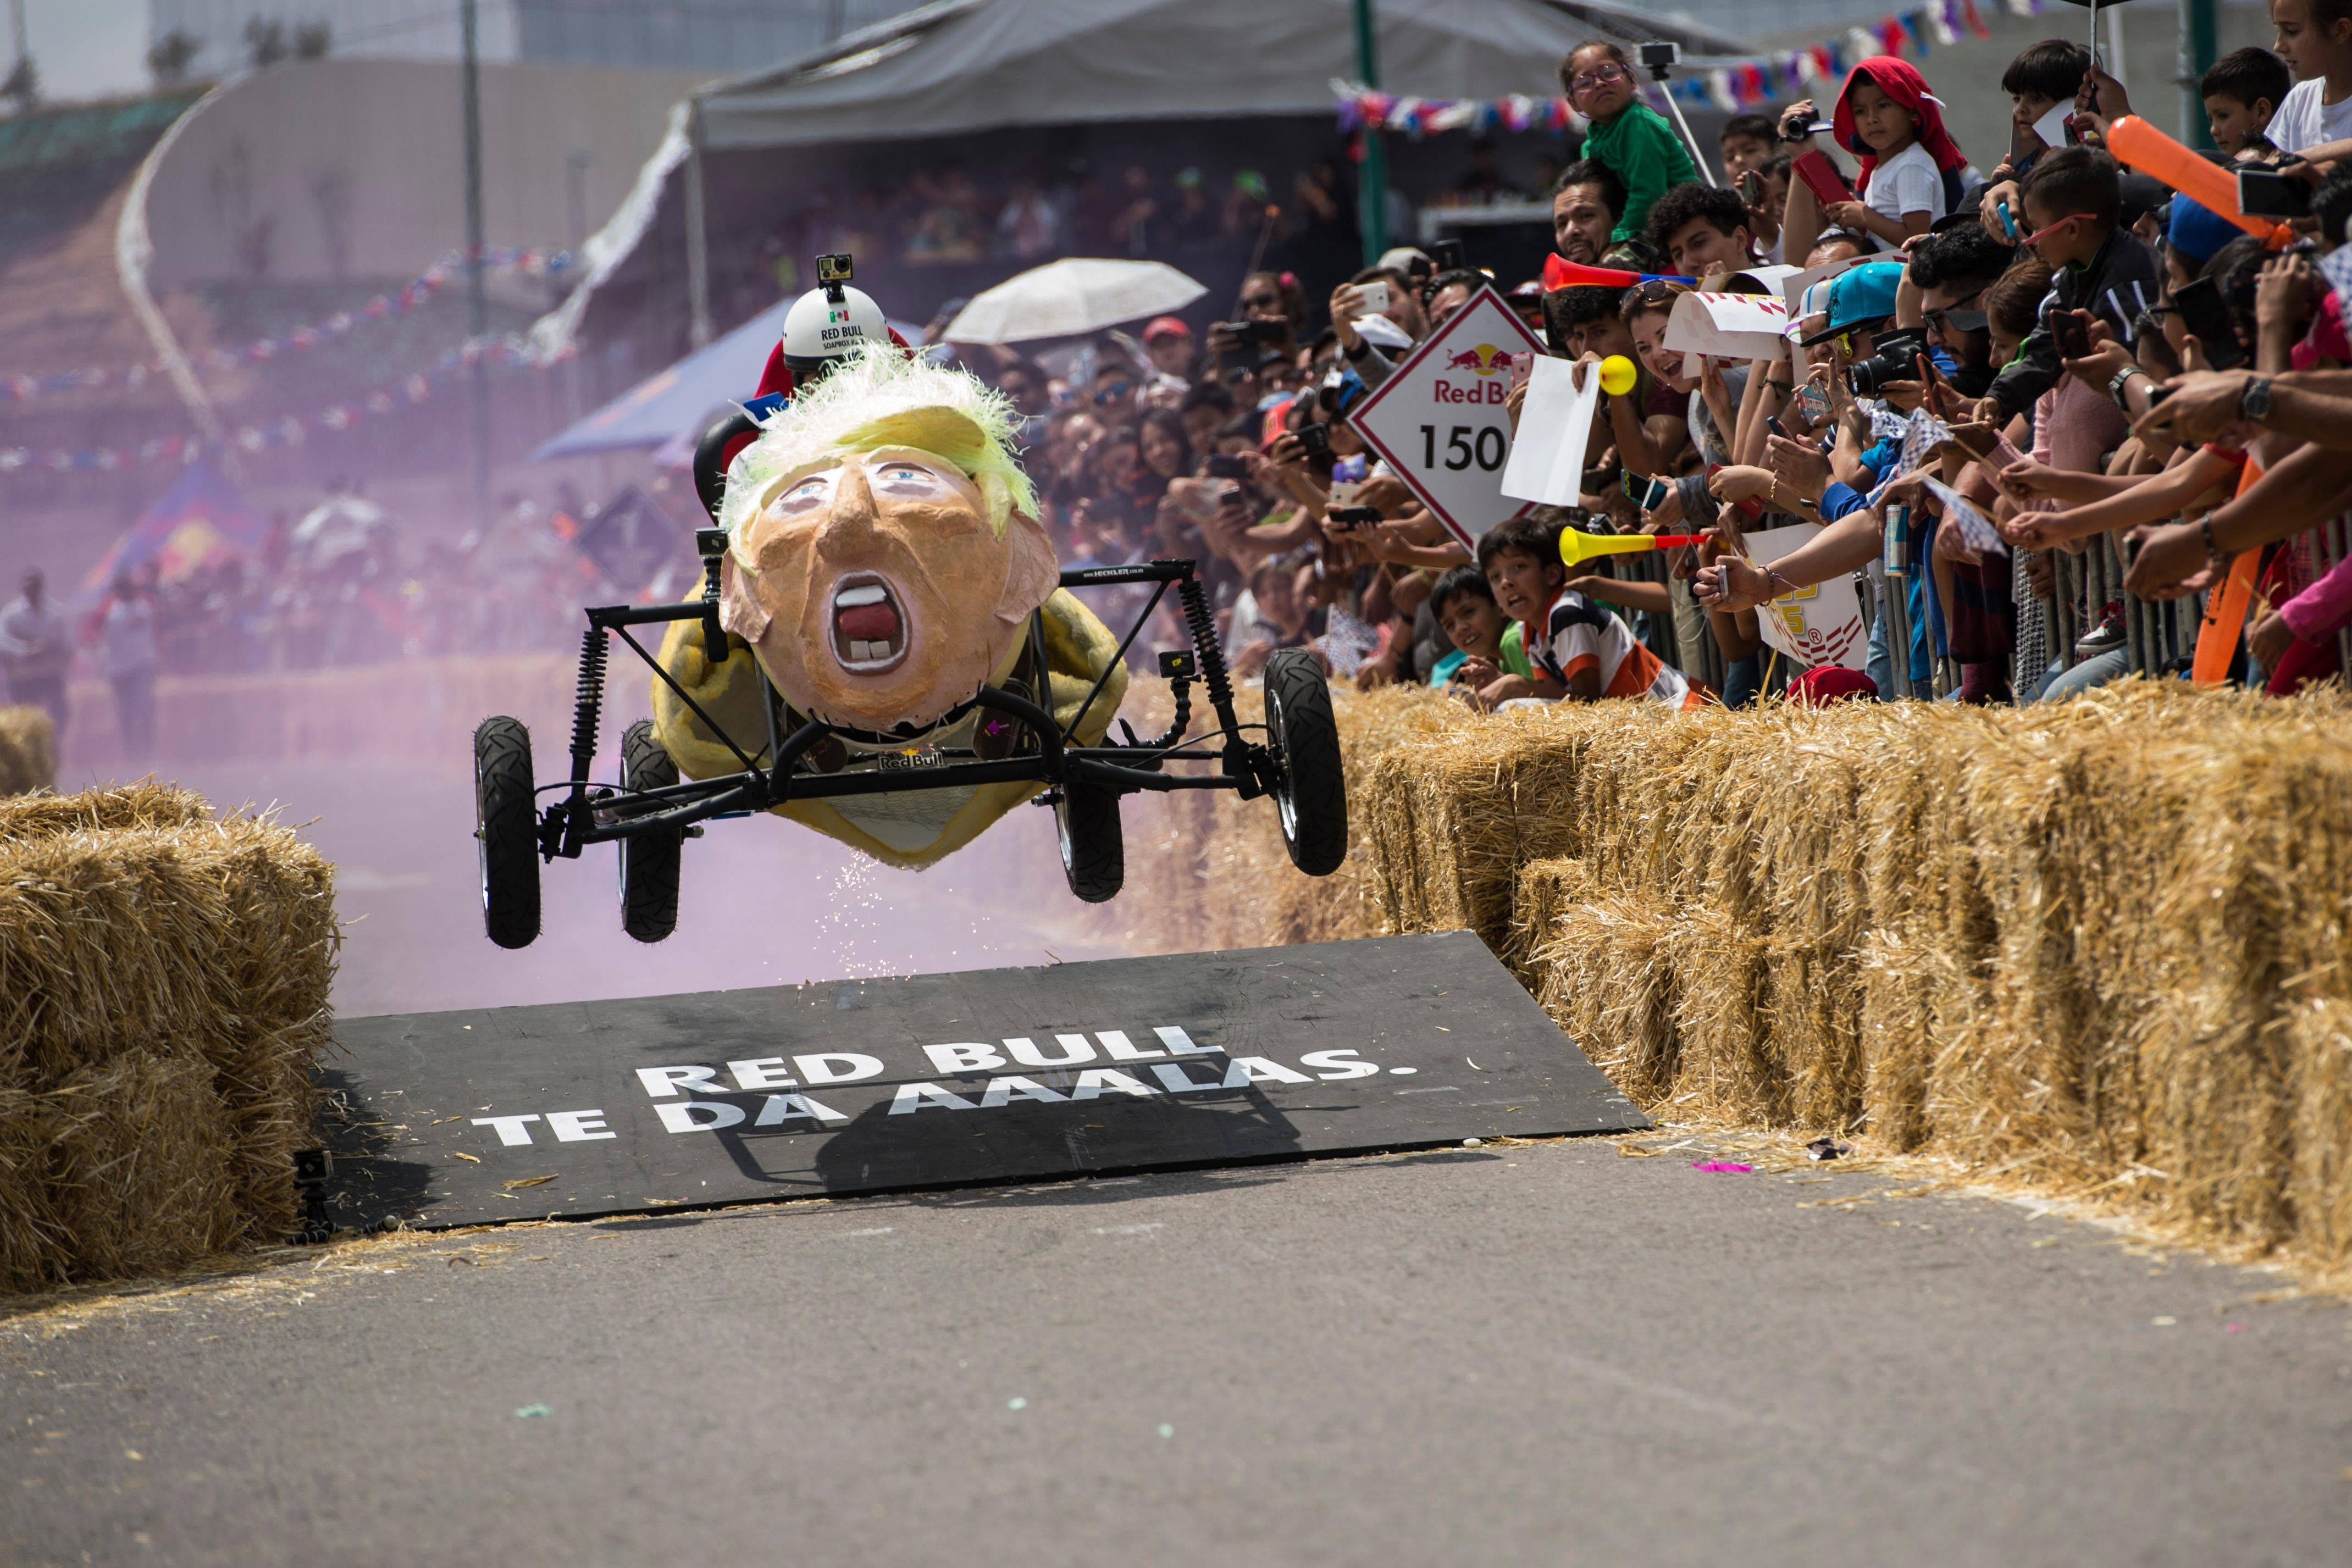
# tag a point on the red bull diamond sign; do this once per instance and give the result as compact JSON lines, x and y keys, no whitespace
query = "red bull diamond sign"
{"x":1439,"y":419}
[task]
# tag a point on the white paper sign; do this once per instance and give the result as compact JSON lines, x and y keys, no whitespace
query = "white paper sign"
{"x":1438,"y":420}
{"x":1816,"y":625}
{"x":1729,"y":326}
{"x":1546,"y":464}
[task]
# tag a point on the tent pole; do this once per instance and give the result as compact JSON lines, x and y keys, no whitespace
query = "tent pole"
{"x":2200,"y":41}
{"x":1372,"y":180}
{"x":477,"y":316}
{"x":697,"y":237}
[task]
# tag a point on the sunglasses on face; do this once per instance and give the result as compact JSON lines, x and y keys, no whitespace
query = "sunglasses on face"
{"x":2038,"y":236}
{"x":1112,"y":392}
{"x":1957,"y":321}
{"x":1262,"y":302}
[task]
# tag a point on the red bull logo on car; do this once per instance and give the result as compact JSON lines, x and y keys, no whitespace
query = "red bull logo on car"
{"x":1483,"y":361}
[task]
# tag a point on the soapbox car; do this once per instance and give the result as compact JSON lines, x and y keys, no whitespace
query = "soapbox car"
{"x":650,"y":811}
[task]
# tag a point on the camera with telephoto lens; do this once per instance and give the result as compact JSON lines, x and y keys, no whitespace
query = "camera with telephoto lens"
{"x":1896,"y":359}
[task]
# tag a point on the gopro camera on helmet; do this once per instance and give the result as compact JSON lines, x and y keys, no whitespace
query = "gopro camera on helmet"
{"x":830,"y":322}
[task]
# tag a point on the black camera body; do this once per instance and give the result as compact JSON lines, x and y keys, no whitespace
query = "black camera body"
{"x":1257,"y":330}
{"x":1316,"y":438}
{"x":1894,"y":358}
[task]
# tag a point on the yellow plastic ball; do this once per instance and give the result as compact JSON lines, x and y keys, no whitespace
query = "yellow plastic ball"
{"x":1616,"y":375}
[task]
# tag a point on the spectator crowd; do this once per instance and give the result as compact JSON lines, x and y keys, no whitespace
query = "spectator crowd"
{"x":2041,"y":396}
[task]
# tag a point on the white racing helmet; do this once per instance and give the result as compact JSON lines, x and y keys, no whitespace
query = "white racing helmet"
{"x":830,"y":322}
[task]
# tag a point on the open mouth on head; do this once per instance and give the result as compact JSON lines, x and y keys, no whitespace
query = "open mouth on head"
{"x":870,"y":629}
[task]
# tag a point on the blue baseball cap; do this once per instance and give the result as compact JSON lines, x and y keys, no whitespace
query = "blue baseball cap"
{"x":2197,"y":232}
{"x":1858,"y":297}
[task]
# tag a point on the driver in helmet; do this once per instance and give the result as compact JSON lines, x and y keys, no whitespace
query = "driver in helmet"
{"x":823,"y":327}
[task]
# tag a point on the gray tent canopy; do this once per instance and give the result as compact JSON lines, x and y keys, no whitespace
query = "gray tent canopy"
{"x":964,"y":66}
{"x":958,"y":67}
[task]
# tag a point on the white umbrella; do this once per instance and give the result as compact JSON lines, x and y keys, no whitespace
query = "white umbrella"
{"x":1071,"y":297}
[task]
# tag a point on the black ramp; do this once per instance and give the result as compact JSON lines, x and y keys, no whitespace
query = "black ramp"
{"x":1000,"y":1075}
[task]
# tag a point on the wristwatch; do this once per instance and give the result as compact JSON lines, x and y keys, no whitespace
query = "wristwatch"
{"x":2254,"y":400}
{"x":2121,"y":379}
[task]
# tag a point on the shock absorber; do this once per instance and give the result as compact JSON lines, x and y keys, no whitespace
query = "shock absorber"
{"x":1203,"y":627}
{"x":588,"y":708}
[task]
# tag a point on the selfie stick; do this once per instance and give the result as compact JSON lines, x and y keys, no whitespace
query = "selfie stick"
{"x":2135,"y":141}
{"x":1658,"y":74}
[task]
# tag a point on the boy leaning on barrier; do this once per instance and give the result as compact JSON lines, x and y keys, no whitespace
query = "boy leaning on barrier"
{"x":1489,"y":664}
{"x":1577,"y":649}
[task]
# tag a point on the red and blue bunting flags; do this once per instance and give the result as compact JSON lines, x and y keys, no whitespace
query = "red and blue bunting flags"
{"x":1732,"y":86}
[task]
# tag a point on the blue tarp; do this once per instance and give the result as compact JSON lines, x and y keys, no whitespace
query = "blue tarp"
{"x":671,"y":403}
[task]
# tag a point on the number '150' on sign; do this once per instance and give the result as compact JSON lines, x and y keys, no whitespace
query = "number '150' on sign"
{"x":1487,"y":452}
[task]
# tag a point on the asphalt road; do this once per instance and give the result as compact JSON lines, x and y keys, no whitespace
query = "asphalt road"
{"x":1532,"y":1353}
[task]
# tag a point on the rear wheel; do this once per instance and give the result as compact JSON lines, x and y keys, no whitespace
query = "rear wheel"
{"x":506,"y":830}
{"x":1094,"y":850}
{"x":1313,"y":794}
{"x":649,"y":861}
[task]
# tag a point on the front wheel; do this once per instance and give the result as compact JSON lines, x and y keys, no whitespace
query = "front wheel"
{"x":1094,"y":850}
{"x":649,"y":861}
{"x":1312,"y":796}
{"x":506,"y":831}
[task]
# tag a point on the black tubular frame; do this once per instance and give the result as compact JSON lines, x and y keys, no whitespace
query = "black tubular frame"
{"x":589,"y":813}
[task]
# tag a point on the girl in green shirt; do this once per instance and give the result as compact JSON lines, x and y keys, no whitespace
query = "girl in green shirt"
{"x":1625,"y":134}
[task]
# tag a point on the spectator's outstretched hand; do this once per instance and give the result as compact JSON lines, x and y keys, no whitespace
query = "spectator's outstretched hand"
{"x":2026,"y":480}
{"x":2283,"y":293}
{"x":2171,"y":562}
{"x":2029,"y":530}
{"x":2107,"y":356}
{"x":1666,"y":516}
{"x":1740,"y":482}
{"x":2269,"y":640}
{"x":1732,"y":584}
{"x":2196,"y":407}
{"x":1802,"y":468}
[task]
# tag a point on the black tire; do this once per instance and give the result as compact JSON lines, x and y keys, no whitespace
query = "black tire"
{"x":1094,"y":848}
{"x":506,"y":830}
{"x":649,"y":861}
{"x":1304,"y":738}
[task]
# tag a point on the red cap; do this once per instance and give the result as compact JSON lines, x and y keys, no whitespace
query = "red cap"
{"x":1826,"y":683}
{"x":1166,"y":326}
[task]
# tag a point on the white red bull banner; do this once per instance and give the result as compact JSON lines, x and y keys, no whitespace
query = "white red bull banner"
{"x":1439,"y":420}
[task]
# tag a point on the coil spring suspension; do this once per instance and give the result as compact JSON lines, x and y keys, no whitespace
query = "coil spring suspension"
{"x":588,"y":711}
{"x":1203,"y":627}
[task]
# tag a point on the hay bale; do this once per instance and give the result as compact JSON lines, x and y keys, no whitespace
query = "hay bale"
{"x":2098,"y":944}
{"x":163,"y":987}
{"x":1605,"y":973}
{"x":28,"y":751}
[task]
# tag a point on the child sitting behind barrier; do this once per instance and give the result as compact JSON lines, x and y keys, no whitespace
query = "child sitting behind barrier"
{"x":1489,"y":662}
{"x":1577,"y":649}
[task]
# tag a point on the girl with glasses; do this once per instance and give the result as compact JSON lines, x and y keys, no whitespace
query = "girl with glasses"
{"x":1627,"y":136}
